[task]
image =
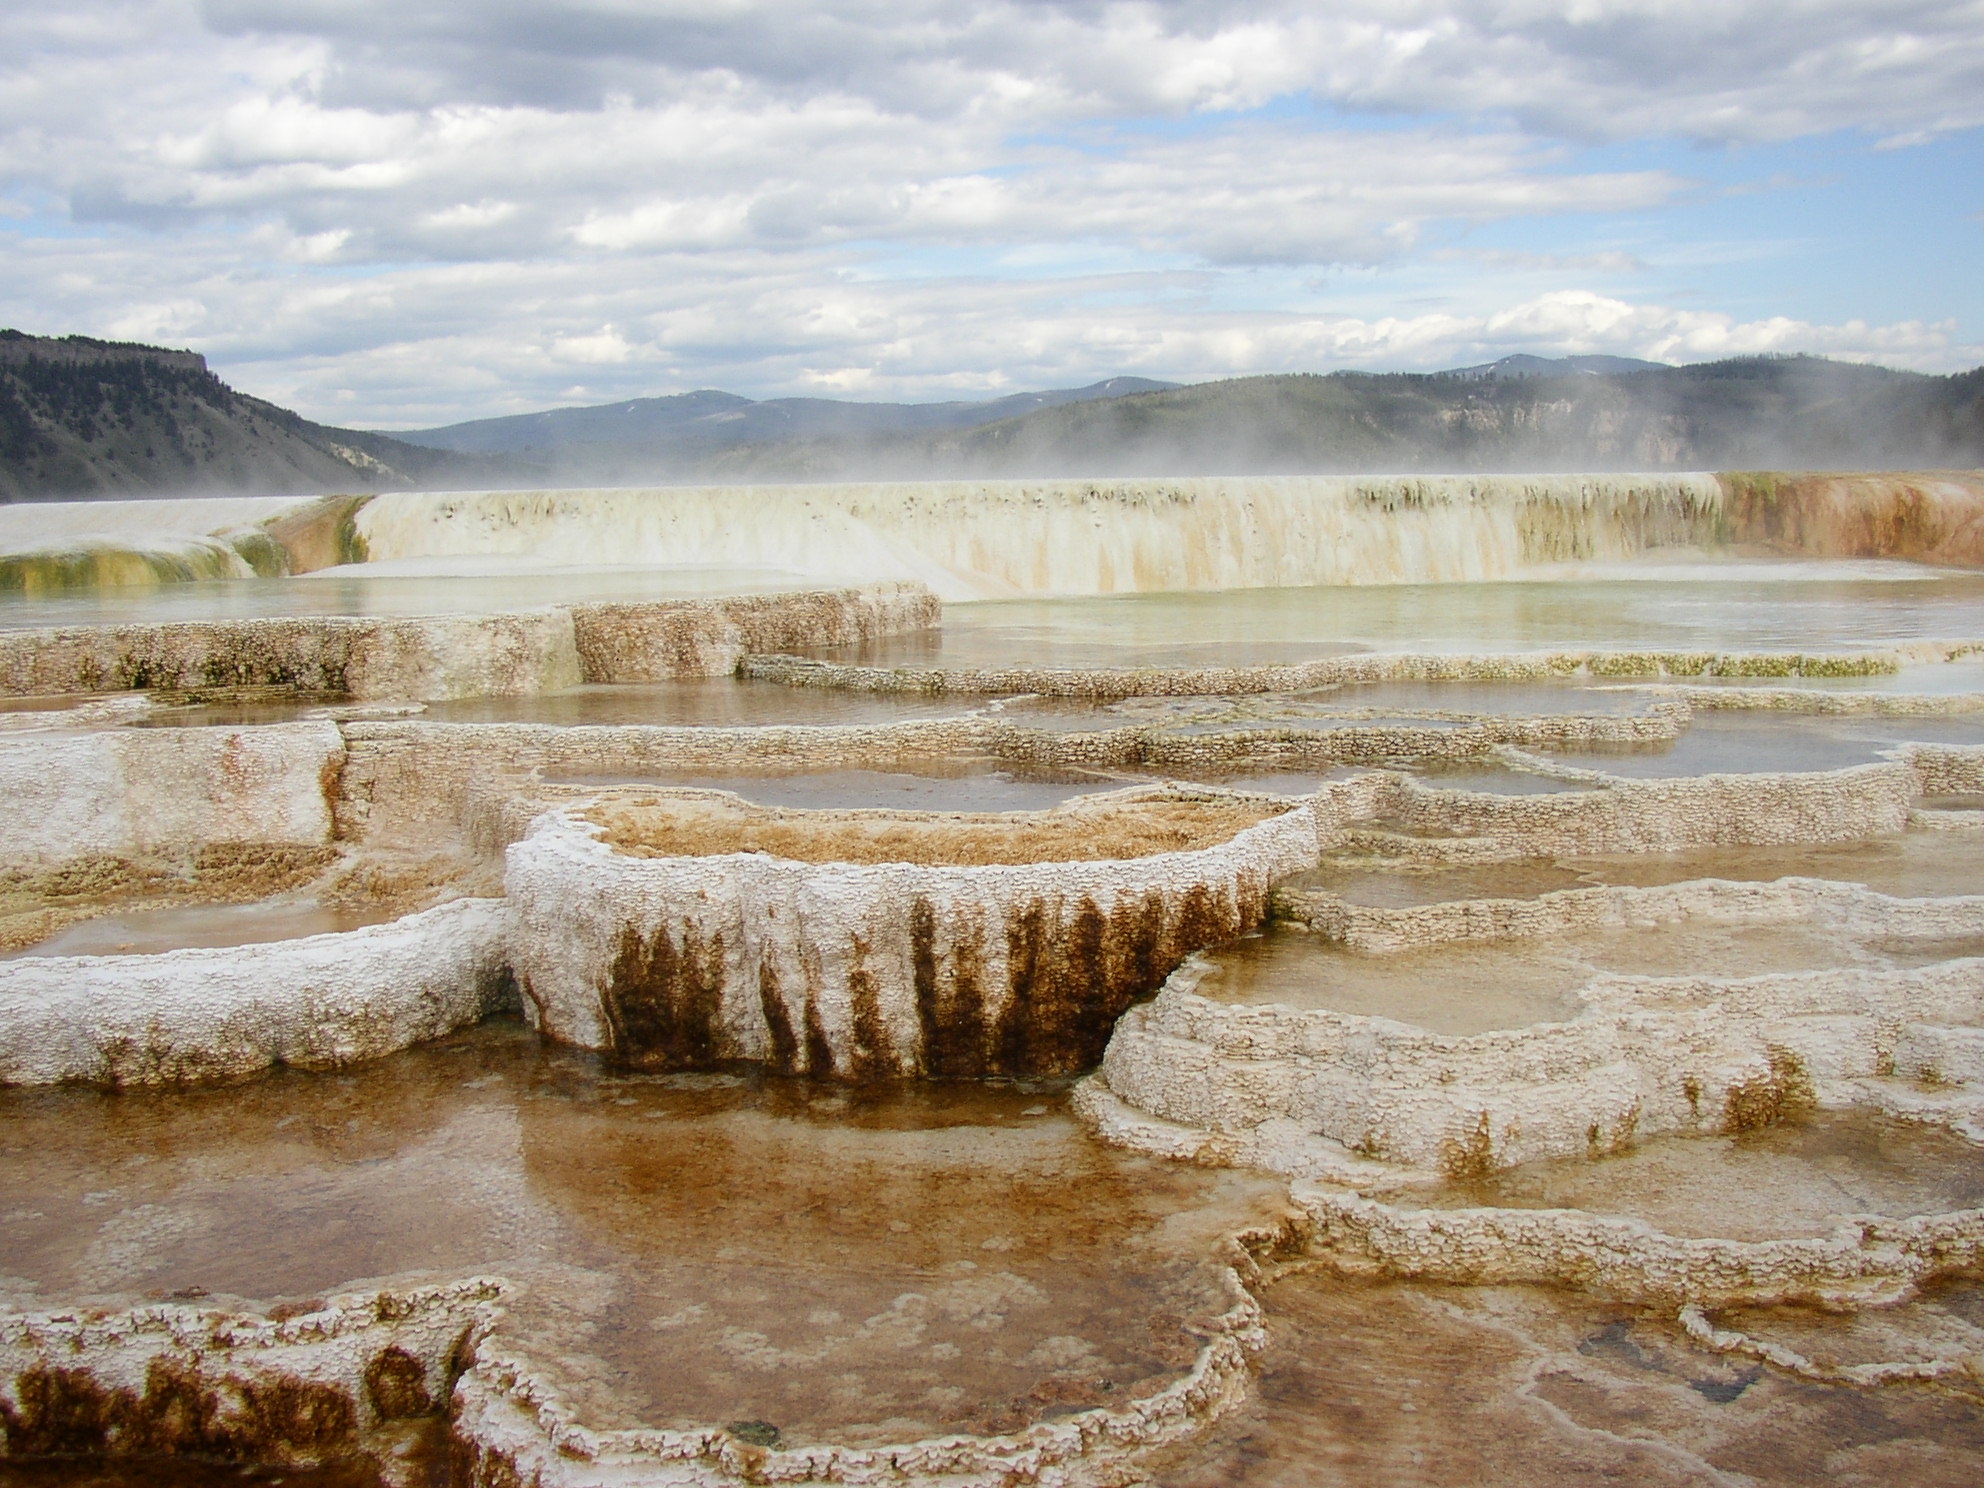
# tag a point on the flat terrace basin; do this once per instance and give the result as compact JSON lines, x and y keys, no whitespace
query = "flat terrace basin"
{"x":852,"y":1266}
{"x":1468,"y":987}
{"x":943,"y":785}
{"x":1494,"y":781}
{"x":1729,"y":606}
{"x":151,"y":931}
{"x":1735,"y":744}
{"x":1799,"y":1178}
{"x":693,"y":702}
{"x":1912,"y":865}
{"x":697,"y":826}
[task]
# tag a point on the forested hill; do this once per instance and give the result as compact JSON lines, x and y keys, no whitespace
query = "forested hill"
{"x":94,"y":418}
{"x":1797,"y":413}
{"x":80,"y":417}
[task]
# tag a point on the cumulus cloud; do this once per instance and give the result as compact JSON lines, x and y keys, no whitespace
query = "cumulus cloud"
{"x":415,"y":210}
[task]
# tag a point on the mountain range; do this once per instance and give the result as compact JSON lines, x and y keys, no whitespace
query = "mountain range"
{"x":81,"y":417}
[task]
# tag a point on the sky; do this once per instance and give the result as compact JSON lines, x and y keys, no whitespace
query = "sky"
{"x":403,"y":213}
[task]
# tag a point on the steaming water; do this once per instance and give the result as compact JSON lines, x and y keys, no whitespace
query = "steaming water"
{"x":1805,"y":609}
{"x":689,"y":1249}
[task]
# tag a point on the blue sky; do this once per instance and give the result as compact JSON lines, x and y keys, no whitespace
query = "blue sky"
{"x":395,"y":215}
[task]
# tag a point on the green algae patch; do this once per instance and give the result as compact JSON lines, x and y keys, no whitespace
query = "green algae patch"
{"x":111,"y":567}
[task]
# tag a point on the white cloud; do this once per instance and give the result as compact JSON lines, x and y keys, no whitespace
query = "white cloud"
{"x":422,"y":210}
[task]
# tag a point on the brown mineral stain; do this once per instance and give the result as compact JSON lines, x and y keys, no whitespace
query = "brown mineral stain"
{"x":662,"y":1001}
{"x":396,"y":1385}
{"x":1783,"y":1089}
{"x":180,"y":1412}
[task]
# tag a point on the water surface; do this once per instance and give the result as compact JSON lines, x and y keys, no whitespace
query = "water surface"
{"x":848,"y":1264}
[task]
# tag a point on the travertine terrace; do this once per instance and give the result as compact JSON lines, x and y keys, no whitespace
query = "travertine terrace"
{"x":1067,"y":1017}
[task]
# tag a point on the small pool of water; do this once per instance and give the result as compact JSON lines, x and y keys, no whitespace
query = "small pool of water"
{"x":951,"y":785}
{"x":1799,"y":1178}
{"x":1751,"y":743}
{"x":713,"y":702}
{"x":1454,"y":991}
{"x":1468,"y":987}
{"x":1911,"y":865}
{"x":1762,"y":606}
{"x":848,"y":1264}
{"x":1495,"y":781}
{"x":150,"y":931}
{"x":1572,"y":695}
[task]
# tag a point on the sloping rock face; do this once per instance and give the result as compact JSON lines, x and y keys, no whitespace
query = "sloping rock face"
{"x":868,"y":970}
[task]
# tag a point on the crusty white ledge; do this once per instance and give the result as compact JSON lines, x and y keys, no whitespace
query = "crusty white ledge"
{"x":201,"y":1014}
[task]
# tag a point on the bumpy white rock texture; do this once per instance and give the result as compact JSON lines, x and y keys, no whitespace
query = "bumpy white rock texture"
{"x":435,"y":657}
{"x":1311,"y":1091}
{"x":1865,"y":1261}
{"x":653,"y":642}
{"x":866,"y":970}
{"x":201,"y":1014}
{"x":165,"y":791}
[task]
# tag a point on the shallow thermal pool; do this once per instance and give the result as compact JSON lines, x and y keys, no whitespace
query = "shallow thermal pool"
{"x":847,"y":1264}
{"x":1421,"y":1386}
{"x":941,"y":785}
{"x":1756,"y":743}
{"x":1800,"y":1177}
{"x":1912,"y":865}
{"x":149,"y":931}
{"x":1474,"y":986}
{"x":1748,"y":606}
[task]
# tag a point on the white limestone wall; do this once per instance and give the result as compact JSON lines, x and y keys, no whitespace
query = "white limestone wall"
{"x":317,"y":1002}
{"x":419,"y":657}
{"x":436,"y":657}
{"x":866,"y":970}
{"x":138,"y":792}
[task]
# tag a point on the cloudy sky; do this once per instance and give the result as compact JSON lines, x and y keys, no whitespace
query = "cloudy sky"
{"x":396,"y":213}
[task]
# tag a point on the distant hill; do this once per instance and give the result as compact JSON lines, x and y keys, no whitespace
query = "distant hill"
{"x":1524,"y":365}
{"x":85,"y":418}
{"x":1747,"y":413}
{"x":630,"y":439}
{"x":80,"y":417}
